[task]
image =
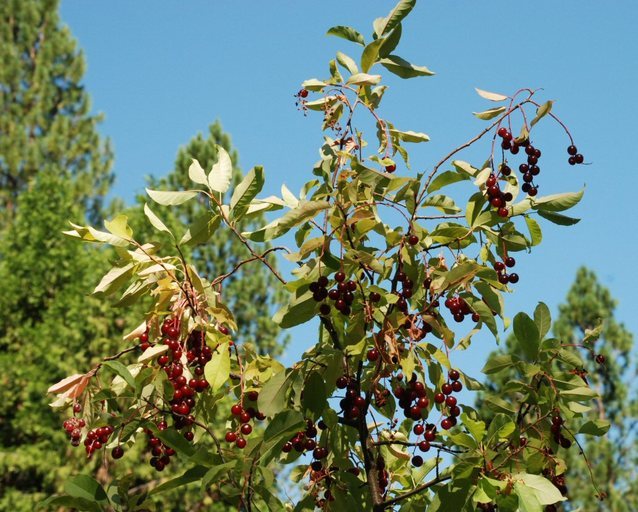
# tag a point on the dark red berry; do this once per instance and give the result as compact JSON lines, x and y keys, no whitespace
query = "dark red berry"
{"x":446,"y":388}
{"x":510,"y":262}
{"x":600,"y":359}
{"x":417,"y":461}
{"x":457,"y":386}
{"x":579,"y":158}
{"x":390,"y":168}
{"x":424,"y":446}
{"x":373,"y":354}
{"x":303,"y":93}
{"x":439,"y":398}
{"x":502,"y":131}
{"x":246,"y":429}
{"x":240,"y":443}
{"x":454,"y":375}
{"x":236,"y":409}
{"x":446,"y":424}
{"x":513,"y":278}
{"x":413,"y":239}
{"x":572,"y":150}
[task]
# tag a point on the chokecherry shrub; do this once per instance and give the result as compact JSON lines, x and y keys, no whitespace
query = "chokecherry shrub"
{"x":397,"y":276}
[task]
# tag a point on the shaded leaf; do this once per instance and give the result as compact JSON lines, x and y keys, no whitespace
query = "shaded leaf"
{"x":346,"y":33}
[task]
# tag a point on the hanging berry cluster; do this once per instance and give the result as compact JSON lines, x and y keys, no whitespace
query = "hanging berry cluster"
{"x":241,"y":417}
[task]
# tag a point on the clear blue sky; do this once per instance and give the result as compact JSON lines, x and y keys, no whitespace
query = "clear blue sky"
{"x":162,"y":70}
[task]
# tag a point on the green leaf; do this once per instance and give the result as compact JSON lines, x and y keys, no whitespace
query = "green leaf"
{"x":152,"y":352}
{"x":298,"y":311}
{"x":446,"y":178}
{"x":214,"y":473}
{"x":155,"y":220}
{"x":114,"y":279}
{"x":527,"y":335}
{"x":542,"y":319}
{"x":201,"y":229}
{"x":542,"y":111}
{"x":443,"y":203}
{"x":370,"y":54}
{"x":313,"y":84}
{"x":497,"y":363}
{"x":119,"y":227}
{"x":363,"y":79}
{"x":397,"y":14}
{"x":535,"y":233}
{"x":391,"y":41}
{"x":122,"y":371}
{"x":546,"y":493}
{"x":283,"y":426}
{"x":527,"y":500}
{"x":348,"y":63}
{"x":217,"y":370}
{"x":191,"y":475}
{"x":476,"y":428}
{"x":171,"y":198}
{"x":86,"y":487}
{"x":491,"y":113}
{"x":302,"y":213}
{"x":404,"y":69}
{"x":492,"y":96}
{"x":314,"y":394}
{"x":557,"y":218}
{"x":410,"y":136}
{"x":221,"y":173}
{"x":196,"y":173}
{"x":558,"y":202}
{"x":246,"y":191}
{"x":273,"y":396}
{"x":346,"y":33}
{"x":175,"y":440}
{"x":595,"y":428}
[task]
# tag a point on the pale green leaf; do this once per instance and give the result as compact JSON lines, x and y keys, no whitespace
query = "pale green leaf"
{"x":196,"y":173}
{"x":246,"y":191}
{"x":492,"y":96}
{"x":221,"y":172}
{"x":155,"y":220}
{"x":346,"y":33}
{"x":171,"y":198}
{"x":404,"y":69}
{"x":397,"y":14}
{"x":490,"y":113}
{"x":217,"y":370}
{"x":363,"y":79}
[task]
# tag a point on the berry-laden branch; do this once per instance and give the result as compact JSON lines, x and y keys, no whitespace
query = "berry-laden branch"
{"x":378,"y":386}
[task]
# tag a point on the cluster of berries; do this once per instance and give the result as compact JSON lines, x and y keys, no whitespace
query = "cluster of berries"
{"x":97,"y":438}
{"x":459,"y":308}
{"x":412,"y":398}
{"x":501,"y":269}
{"x":497,"y":198}
{"x":353,"y":405}
{"x":556,"y":428}
{"x":405,"y":293}
{"x":73,"y":427}
{"x":428,"y":431}
{"x":574,"y":156}
{"x":304,"y":441}
{"x":342,"y":294}
{"x":445,"y":399}
{"x":160,"y":453}
{"x":242,"y":417}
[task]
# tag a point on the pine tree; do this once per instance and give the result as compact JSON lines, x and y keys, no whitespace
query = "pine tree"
{"x":609,"y":368}
{"x":44,"y":109}
{"x":49,"y":328}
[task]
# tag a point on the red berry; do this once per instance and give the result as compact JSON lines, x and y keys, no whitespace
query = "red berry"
{"x":450,"y":401}
{"x":454,"y":375}
{"x":502,"y":132}
{"x":231,"y":437}
{"x":240,"y":443}
{"x":246,"y":429}
{"x":340,"y":277}
{"x":510,"y":262}
{"x":600,"y":359}
{"x":503,"y":212}
{"x":303,"y":93}
{"x":373,"y":354}
{"x":236,"y":410}
{"x":572,"y":150}
{"x":413,"y":239}
{"x":439,"y":398}
{"x":417,"y":461}
{"x":446,"y":424}
{"x":189,"y":436}
{"x":446,"y":388}
{"x":424,"y":446}
{"x":418,"y":429}
{"x":457,"y":386}
{"x":342,"y":382}
{"x":390,"y":168}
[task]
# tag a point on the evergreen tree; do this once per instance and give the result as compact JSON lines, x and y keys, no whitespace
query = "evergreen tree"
{"x":609,"y":368}
{"x":49,"y":328}
{"x":44,"y":109}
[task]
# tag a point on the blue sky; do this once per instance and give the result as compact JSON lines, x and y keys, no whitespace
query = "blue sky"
{"x":161,"y":71}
